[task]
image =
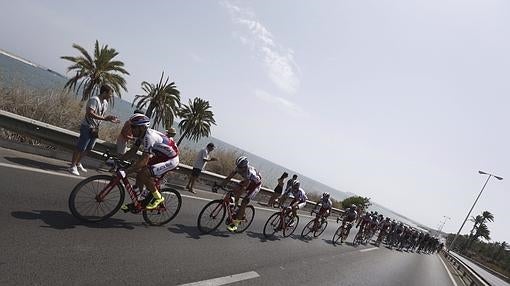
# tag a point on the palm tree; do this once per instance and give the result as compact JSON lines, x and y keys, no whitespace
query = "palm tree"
{"x":163,"y":99}
{"x":487,"y":216}
{"x":482,"y":231}
{"x":477,"y":220}
{"x":197,"y":119}
{"x":91,"y":73}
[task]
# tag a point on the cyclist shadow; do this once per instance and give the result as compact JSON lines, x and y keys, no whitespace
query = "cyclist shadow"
{"x":261,"y":236}
{"x":329,"y":241}
{"x":60,"y":220}
{"x":193,"y":232}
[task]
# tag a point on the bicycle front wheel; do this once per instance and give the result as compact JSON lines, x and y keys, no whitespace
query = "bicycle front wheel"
{"x":290,"y":227}
{"x":84,"y":202}
{"x":305,"y":234}
{"x":272,"y":225}
{"x":165,"y":212}
{"x":321,"y":229}
{"x":337,"y":236}
{"x":211,"y":216}
{"x":249,"y":214}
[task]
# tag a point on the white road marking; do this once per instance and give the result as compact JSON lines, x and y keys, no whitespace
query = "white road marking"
{"x":448,"y":270}
{"x":225,"y":280}
{"x":40,"y":171}
{"x":369,"y":249}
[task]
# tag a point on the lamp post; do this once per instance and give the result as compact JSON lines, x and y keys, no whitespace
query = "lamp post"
{"x":441,"y":225}
{"x":481,"y":173}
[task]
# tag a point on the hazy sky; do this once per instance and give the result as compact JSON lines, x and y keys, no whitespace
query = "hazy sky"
{"x":400,"y":101}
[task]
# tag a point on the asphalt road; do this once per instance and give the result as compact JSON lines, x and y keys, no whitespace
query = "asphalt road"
{"x":42,"y":244}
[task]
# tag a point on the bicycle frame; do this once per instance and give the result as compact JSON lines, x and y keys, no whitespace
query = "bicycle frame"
{"x":125,"y":181}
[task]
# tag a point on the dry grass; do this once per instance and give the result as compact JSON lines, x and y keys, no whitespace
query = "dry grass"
{"x":223,"y":166}
{"x":54,"y":107}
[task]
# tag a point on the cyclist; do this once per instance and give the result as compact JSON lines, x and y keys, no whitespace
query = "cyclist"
{"x":349,"y":218}
{"x":159,"y":155}
{"x":326,"y":206}
{"x":299,"y":200}
{"x":251,"y":182}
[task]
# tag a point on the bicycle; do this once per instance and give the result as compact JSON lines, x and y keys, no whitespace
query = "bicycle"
{"x":99,"y":197}
{"x":283,"y":221}
{"x":342,"y":232}
{"x":317,"y":225}
{"x":214,"y":212}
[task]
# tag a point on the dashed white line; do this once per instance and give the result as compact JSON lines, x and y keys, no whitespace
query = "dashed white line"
{"x":448,"y":270}
{"x":225,"y":280}
{"x":369,"y":249}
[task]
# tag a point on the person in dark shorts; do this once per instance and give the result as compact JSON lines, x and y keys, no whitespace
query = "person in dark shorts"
{"x":278,"y":189}
{"x":202,"y":158}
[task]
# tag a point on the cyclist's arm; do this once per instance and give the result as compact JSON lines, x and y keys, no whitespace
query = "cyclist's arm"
{"x":227,"y":179}
{"x":140,"y":163}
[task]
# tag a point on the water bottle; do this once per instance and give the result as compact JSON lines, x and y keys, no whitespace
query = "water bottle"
{"x":142,"y":194}
{"x":232,"y":205}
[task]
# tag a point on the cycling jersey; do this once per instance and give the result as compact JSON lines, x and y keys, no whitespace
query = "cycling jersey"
{"x":350,"y":216}
{"x":299,"y":194}
{"x":164,"y":150}
{"x":252,"y":176}
{"x":326,"y":203}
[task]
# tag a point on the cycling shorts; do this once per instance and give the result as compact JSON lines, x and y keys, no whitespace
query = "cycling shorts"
{"x":252,"y":189}
{"x":158,"y":166}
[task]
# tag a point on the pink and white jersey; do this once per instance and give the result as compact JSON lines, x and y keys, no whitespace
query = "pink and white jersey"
{"x":250,"y":174}
{"x":157,"y":144}
{"x":299,"y":195}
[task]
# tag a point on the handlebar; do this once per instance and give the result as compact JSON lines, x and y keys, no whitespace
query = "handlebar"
{"x":115,"y":162}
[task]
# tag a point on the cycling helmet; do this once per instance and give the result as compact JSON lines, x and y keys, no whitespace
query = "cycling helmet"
{"x":296,"y":184}
{"x":140,"y":120}
{"x":242,"y":161}
{"x":352,"y":208}
{"x":325,"y":195}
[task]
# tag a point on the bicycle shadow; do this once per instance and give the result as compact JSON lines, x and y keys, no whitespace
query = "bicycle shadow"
{"x":262,"y":237}
{"x":60,"y":220}
{"x":191,"y":231}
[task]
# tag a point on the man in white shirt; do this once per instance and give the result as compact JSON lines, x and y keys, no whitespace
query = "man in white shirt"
{"x":89,"y":128}
{"x":201,"y":160}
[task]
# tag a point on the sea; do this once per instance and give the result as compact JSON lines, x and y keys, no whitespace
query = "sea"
{"x":15,"y":70}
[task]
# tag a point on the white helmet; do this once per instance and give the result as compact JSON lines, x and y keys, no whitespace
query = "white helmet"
{"x":242,"y":161}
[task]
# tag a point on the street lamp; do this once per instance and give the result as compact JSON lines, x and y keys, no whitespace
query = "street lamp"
{"x":482,"y":173}
{"x":443,"y":222}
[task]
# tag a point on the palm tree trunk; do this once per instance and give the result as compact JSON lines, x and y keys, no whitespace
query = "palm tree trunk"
{"x":183,"y":136}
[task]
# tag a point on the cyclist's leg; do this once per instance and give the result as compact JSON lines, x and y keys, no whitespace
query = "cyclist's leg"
{"x":251,"y":192}
{"x":156,"y":170}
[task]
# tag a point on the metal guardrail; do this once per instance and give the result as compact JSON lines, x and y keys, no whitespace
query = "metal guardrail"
{"x":466,"y":274}
{"x":67,"y":139}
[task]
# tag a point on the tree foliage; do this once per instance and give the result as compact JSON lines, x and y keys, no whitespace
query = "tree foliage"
{"x":363,"y":202}
{"x":92,"y":72}
{"x":163,"y":101}
{"x":197,"y":119}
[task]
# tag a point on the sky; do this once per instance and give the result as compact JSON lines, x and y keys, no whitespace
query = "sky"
{"x":399,"y":101}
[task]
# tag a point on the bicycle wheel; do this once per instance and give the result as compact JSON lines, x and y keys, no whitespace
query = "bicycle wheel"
{"x":272,"y":225}
{"x":337,"y":236}
{"x":164,"y":212}
{"x":291,"y":226}
{"x":321,"y":229}
{"x":249,"y":214}
{"x":211,"y":216}
{"x":305,"y":233}
{"x":85,"y":206}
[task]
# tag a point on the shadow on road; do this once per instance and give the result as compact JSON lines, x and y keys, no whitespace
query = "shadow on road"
{"x":62,"y":220}
{"x":36,"y":164}
{"x":261,"y":236}
{"x":191,"y":231}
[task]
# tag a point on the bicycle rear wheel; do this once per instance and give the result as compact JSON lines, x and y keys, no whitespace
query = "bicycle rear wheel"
{"x":337,"y":236}
{"x":85,"y":205}
{"x":272,"y":225}
{"x":211,"y":216}
{"x":307,"y":230}
{"x":291,"y":226}
{"x":321,"y":229}
{"x":166,"y":211}
{"x":249,"y":214}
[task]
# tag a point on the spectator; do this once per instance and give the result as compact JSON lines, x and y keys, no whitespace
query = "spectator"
{"x":283,"y":198}
{"x":126,"y":134}
{"x":89,"y":128}
{"x":278,"y":189}
{"x":202,"y":158}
